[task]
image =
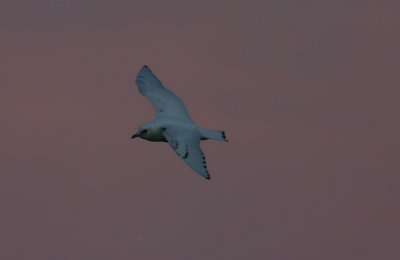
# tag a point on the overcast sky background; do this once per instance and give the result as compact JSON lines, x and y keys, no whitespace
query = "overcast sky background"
{"x":307,"y":92}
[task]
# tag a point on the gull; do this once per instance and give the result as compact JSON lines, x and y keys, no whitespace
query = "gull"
{"x":173,"y":123}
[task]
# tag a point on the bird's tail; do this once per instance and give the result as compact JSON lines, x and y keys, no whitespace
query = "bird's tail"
{"x":218,"y":135}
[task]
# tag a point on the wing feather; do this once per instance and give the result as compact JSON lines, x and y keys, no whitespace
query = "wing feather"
{"x":166,"y":103}
{"x":186,"y":144}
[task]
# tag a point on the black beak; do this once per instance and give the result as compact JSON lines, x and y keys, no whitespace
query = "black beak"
{"x":134,"y":136}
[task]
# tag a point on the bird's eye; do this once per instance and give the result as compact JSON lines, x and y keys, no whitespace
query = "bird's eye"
{"x":144,"y":131}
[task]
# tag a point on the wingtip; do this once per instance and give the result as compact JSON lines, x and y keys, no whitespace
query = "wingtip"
{"x":146,"y":68}
{"x":224,"y":136}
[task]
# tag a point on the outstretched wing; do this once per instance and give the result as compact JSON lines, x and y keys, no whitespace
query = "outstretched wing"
{"x":166,"y":103}
{"x":186,"y":144}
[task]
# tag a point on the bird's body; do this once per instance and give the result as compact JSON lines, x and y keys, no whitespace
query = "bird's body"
{"x":173,"y":123}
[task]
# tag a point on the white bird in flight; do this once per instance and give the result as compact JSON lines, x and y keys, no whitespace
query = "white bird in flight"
{"x":173,"y":123}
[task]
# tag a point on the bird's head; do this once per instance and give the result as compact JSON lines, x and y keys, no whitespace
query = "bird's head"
{"x":150,"y":132}
{"x":142,"y":132}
